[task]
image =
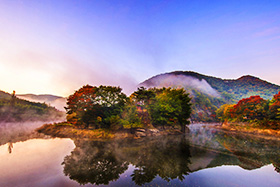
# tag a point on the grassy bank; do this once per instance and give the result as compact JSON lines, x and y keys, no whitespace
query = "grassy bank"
{"x":67,"y":130}
{"x":250,"y":128}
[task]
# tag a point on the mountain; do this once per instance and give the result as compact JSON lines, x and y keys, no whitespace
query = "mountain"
{"x":4,"y":95}
{"x":52,"y":100}
{"x":14,"y":109}
{"x":209,"y":93}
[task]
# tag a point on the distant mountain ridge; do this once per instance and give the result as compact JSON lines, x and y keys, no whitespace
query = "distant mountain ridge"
{"x":46,"y":97}
{"x":209,"y":92}
{"x":52,"y":100}
{"x":14,"y":109}
{"x":240,"y":88}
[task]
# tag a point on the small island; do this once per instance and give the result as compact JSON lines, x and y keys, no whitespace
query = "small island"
{"x":105,"y":112}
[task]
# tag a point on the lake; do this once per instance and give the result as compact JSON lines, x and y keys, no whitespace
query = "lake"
{"x":204,"y":157}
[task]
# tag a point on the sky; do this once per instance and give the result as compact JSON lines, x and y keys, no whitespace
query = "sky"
{"x":56,"y":47}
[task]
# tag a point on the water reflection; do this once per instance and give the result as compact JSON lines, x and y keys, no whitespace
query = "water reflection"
{"x":167,"y":158}
{"x":35,"y":162}
{"x":93,"y":162}
{"x":17,"y":132}
{"x":249,"y":152}
{"x":10,"y":147}
{"x":101,"y":162}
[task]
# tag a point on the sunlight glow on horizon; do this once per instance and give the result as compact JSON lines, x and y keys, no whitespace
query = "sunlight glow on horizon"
{"x":57,"y":47}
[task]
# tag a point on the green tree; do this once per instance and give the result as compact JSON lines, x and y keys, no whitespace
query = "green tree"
{"x":278,"y":114}
{"x":170,"y":107}
{"x":274,"y":106}
{"x":130,"y":116}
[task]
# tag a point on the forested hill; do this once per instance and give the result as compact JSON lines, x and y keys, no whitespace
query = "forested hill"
{"x":242,"y":87}
{"x":52,"y":100}
{"x":209,"y":93}
{"x":4,"y":95}
{"x":13,"y":109}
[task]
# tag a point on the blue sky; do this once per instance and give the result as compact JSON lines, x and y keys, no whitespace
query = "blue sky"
{"x":57,"y":46}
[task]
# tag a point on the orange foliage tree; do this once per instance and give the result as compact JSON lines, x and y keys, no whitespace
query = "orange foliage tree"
{"x":95,"y":105}
{"x":250,"y":108}
{"x":274,"y":106}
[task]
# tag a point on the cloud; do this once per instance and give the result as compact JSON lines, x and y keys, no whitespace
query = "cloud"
{"x":182,"y":81}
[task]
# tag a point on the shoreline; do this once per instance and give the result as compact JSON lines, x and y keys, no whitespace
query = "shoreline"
{"x":66,"y":130}
{"x":248,"y":129}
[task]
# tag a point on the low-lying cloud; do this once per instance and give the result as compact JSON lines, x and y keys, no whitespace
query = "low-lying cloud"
{"x":181,"y":81}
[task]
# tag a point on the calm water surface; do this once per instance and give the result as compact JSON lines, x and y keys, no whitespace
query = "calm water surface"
{"x":205,"y":157}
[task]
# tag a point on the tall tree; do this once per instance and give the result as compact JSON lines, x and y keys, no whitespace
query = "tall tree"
{"x":171,"y":106}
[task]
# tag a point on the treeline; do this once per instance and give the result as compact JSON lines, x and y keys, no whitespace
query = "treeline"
{"x":13,"y":109}
{"x":108,"y":107}
{"x":204,"y":106}
{"x":238,"y":89}
{"x":253,"y":109}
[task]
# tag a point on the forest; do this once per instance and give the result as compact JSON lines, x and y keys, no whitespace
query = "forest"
{"x":229,"y":91}
{"x":265,"y":113}
{"x":107,"y":107}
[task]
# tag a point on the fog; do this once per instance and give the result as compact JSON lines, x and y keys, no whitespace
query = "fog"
{"x":58,"y":102}
{"x":181,"y":81}
{"x":20,"y":131}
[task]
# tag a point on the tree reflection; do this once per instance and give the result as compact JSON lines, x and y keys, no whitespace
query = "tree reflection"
{"x":169,"y":157}
{"x":169,"y":160}
{"x":93,"y":162}
{"x":10,"y":147}
{"x":102,"y":162}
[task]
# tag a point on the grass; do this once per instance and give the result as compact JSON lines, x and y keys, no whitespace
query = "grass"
{"x":252,"y":128}
{"x":67,"y":130}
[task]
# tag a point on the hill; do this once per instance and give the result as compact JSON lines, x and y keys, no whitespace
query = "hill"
{"x":13,"y":109}
{"x":209,"y":93}
{"x":52,"y":100}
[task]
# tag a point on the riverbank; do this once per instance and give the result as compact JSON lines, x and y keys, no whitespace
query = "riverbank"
{"x":67,"y":130}
{"x":248,"y":128}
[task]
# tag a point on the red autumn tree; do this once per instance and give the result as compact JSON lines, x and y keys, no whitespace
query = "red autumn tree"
{"x":274,"y":106}
{"x":95,"y":105}
{"x":250,"y":108}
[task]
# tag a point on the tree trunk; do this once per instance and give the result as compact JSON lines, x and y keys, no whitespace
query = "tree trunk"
{"x":183,"y":128}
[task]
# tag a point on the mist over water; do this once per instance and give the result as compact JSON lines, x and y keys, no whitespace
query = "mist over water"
{"x":204,"y":157}
{"x":20,"y":131}
{"x":181,"y":81}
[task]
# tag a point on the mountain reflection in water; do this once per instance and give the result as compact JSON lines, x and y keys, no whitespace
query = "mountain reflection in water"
{"x":204,"y":157}
{"x":170,"y":158}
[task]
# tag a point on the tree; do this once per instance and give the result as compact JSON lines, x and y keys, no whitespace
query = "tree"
{"x":171,"y":106}
{"x":142,"y":99}
{"x":130,"y":116}
{"x":223,"y":112}
{"x":250,"y":108}
{"x":274,"y":106}
{"x":95,"y":105}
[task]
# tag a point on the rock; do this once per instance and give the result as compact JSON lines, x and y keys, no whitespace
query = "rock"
{"x":140,"y":130}
{"x":140,"y":134}
{"x":154,"y":131}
